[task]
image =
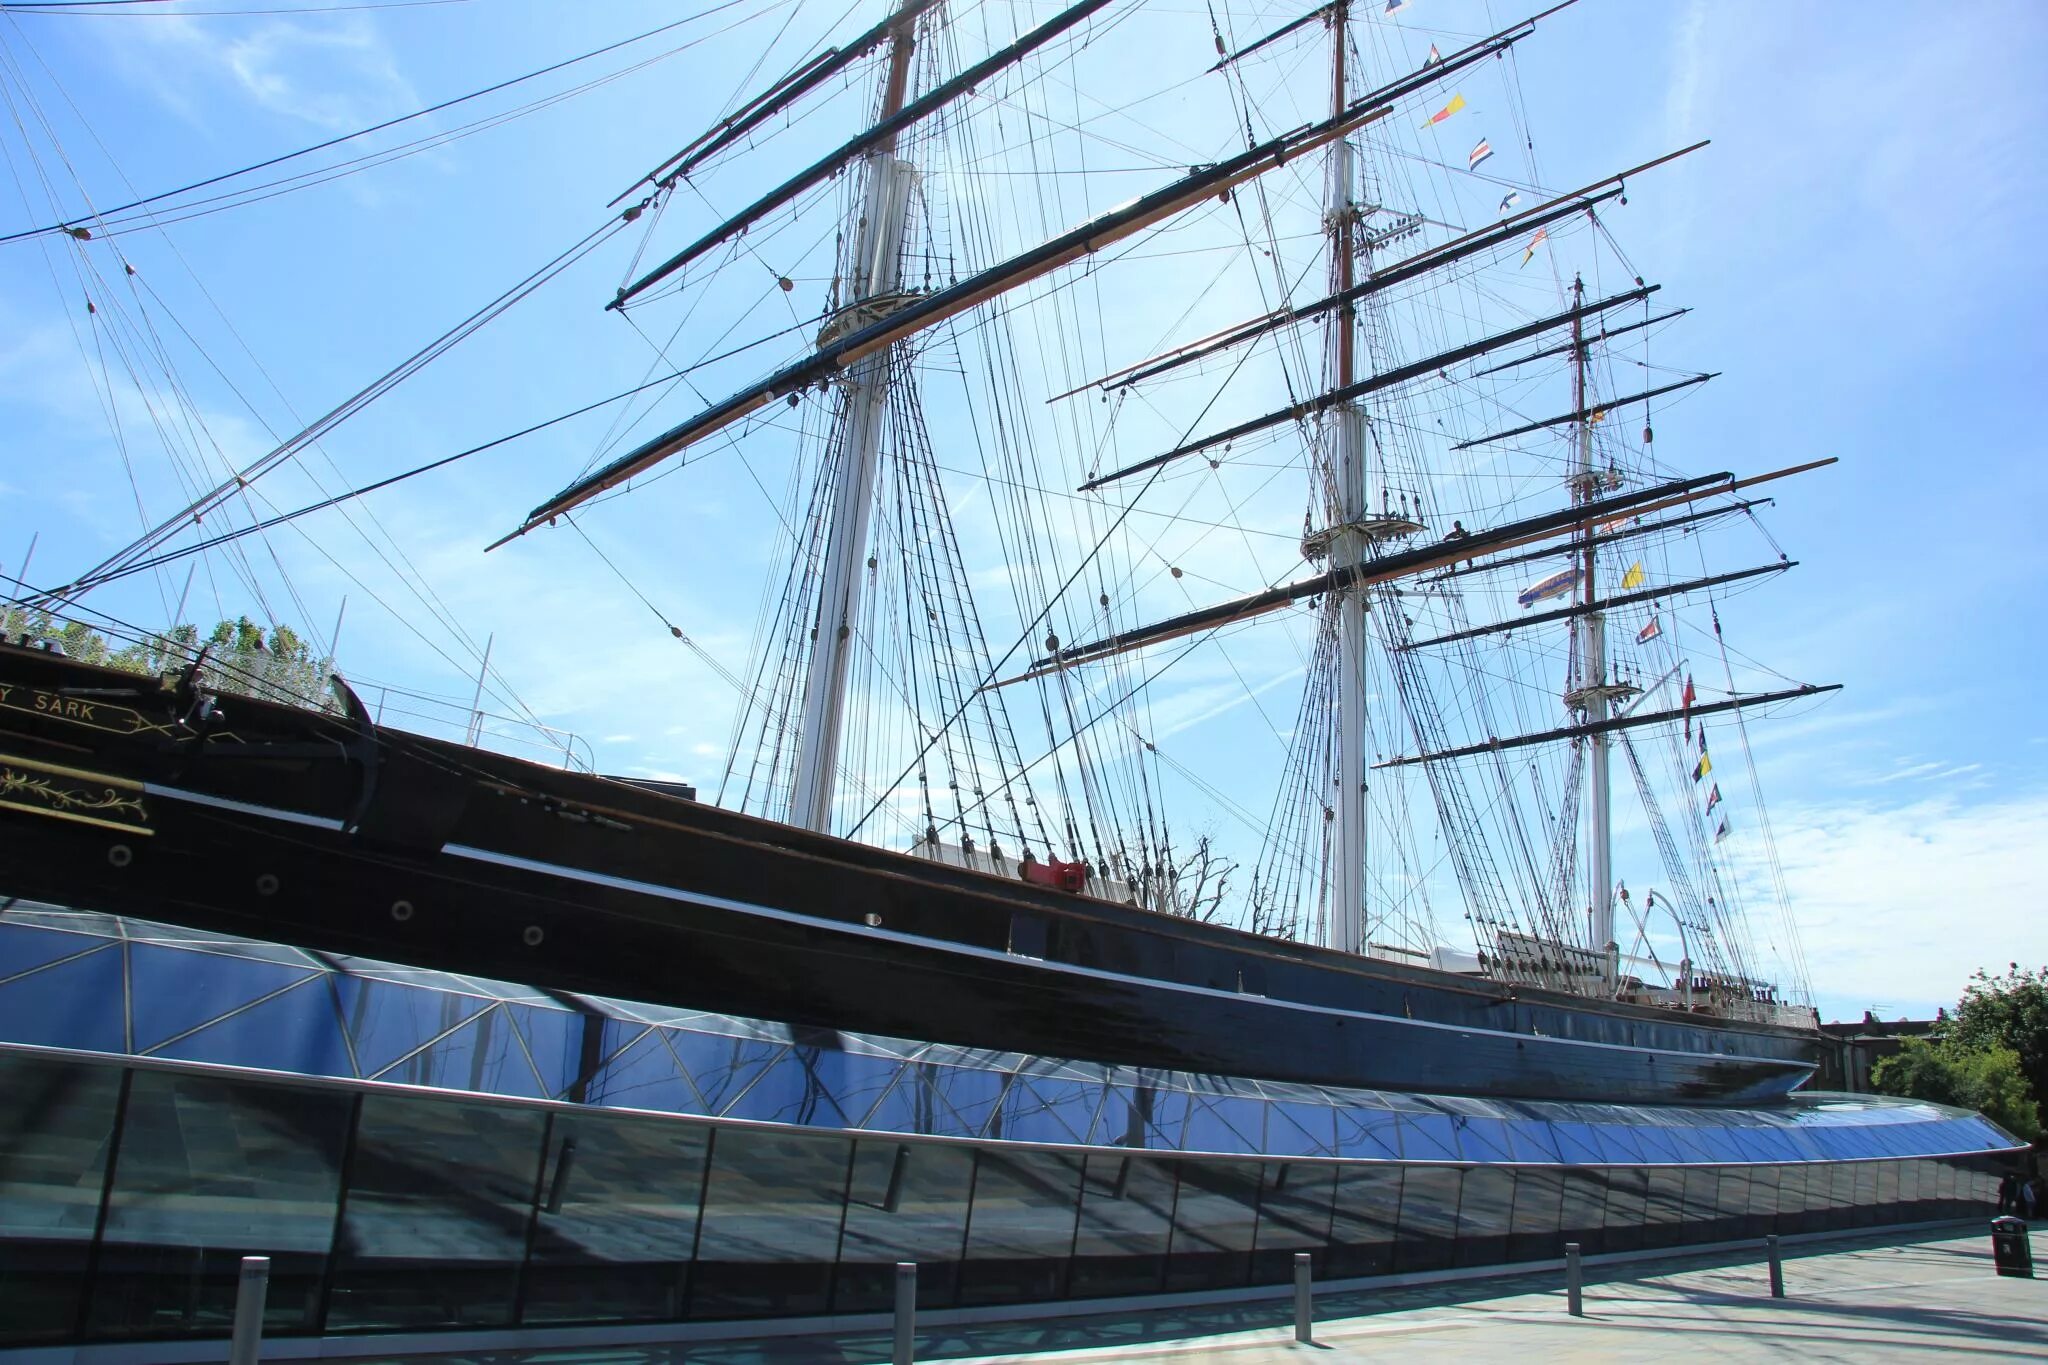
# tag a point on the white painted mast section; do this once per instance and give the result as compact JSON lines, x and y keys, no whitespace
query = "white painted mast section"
{"x":864,"y":394}
{"x":1343,"y":430}
{"x":1593,"y":693}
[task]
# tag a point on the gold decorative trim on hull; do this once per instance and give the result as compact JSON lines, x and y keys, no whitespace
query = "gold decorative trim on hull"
{"x":73,"y":794}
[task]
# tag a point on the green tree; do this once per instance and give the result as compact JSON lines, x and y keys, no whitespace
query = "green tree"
{"x":241,"y":657}
{"x":2011,"y":1012}
{"x":1986,"y":1079}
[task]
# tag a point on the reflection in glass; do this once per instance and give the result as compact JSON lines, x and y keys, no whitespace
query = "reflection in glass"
{"x":1580,"y":1216}
{"x":1763,"y":1202}
{"x":1539,"y":1208}
{"x":1213,"y":1222}
{"x":1429,"y":1218}
{"x":1622,"y":1225}
{"x":211,"y":1171}
{"x":1664,"y":1207}
{"x":772,"y":1206}
{"x":1294,"y":1215}
{"x":1364,"y":1221}
{"x":439,"y":1198}
{"x":54,"y":1132}
{"x":1021,"y":1230}
{"x":1126,"y":1216}
{"x":1865,"y":1194}
{"x":907,"y":1202}
{"x":617,"y":1220}
{"x":1485,"y":1212}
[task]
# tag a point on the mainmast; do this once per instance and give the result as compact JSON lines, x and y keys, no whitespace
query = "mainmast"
{"x":872,"y":282}
{"x":1593,"y":695}
{"x":1343,"y":430}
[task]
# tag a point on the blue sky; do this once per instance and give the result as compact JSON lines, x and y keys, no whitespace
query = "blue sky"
{"x":1859,"y":245}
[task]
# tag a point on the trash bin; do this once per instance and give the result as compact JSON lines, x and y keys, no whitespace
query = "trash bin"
{"x":2010,"y":1250}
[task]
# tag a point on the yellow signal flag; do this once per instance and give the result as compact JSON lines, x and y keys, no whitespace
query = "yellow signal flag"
{"x":1457,"y":103}
{"x":1634,"y":577}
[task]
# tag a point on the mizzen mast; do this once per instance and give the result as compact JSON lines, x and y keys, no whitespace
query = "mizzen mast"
{"x":872,"y":286}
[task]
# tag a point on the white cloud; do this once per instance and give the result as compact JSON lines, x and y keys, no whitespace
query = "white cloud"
{"x":1898,"y":904}
{"x":335,"y":73}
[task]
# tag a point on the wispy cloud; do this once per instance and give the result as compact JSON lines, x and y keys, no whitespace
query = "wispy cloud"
{"x":335,"y":72}
{"x":1899,"y":903}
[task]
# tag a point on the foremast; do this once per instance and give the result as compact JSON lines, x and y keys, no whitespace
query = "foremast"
{"x":862,"y":405}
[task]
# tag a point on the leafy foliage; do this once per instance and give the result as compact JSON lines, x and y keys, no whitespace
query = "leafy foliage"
{"x":1986,"y":1079}
{"x":2010,"y":1012}
{"x":240,"y":656}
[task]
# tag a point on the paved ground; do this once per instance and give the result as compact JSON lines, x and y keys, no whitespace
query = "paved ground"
{"x":1880,"y":1303}
{"x":1870,"y":1300}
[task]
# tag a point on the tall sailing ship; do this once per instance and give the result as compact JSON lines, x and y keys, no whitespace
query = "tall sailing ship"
{"x":944,"y":816}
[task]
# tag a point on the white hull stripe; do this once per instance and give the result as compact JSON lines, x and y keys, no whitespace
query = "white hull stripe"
{"x":485,"y":855}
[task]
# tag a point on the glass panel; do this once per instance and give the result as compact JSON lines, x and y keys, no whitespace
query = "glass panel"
{"x":1214,"y":1218}
{"x":211,"y":1171}
{"x":1485,"y":1212}
{"x":618,"y":1220}
{"x":1539,"y":1207}
{"x":908,"y":1202}
{"x":1702,"y":1203}
{"x":1580,"y":1215}
{"x":1126,"y":1217}
{"x":1294,"y":1215}
{"x":1628,"y":1189}
{"x":1841,"y":1194}
{"x":1791,"y":1199}
{"x":1363,"y":1221}
{"x":1429,"y":1218}
{"x":439,"y":1199}
{"x":1888,"y":1192}
{"x":1731,"y":1204}
{"x":1865,"y":1196}
{"x":55,"y":1130}
{"x":1763,"y":1202}
{"x":1021,"y":1231}
{"x":1664,"y":1207}
{"x":772,"y":1208}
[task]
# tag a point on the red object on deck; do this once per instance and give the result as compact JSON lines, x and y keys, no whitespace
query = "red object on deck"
{"x":1057,"y":875}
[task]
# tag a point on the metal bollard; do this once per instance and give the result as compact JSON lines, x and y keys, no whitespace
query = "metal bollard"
{"x":254,"y":1287}
{"x":1304,"y":1299}
{"x":1574,"y":1279}
{"x":906,"y":1314}
{"x":1777,"y":1268}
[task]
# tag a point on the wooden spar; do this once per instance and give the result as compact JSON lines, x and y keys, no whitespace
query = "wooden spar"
{"x":884,"y":131}
{"x":1470,"y":244}
{"x":1587,"y":411}
{"x":1187,"y":346}
{"x":1376,"y":571}
{"x":944,"y":94}
{"x":1622,"y":600}
{"x":1092,"y":236}
{"x":1608,"y":538}
{"x":1602,"y":335}
{"x":1293,"y":26}
{"x":1628,"y":722}
{"x":775,"y":99}
{"x":1442,"y":555}
{"x":1399,"y":375}
{"x":1398,"y":273}
{"x":1296,"y":25}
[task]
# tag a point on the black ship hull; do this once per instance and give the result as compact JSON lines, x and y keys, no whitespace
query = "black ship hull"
{"x":335,"y":835}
